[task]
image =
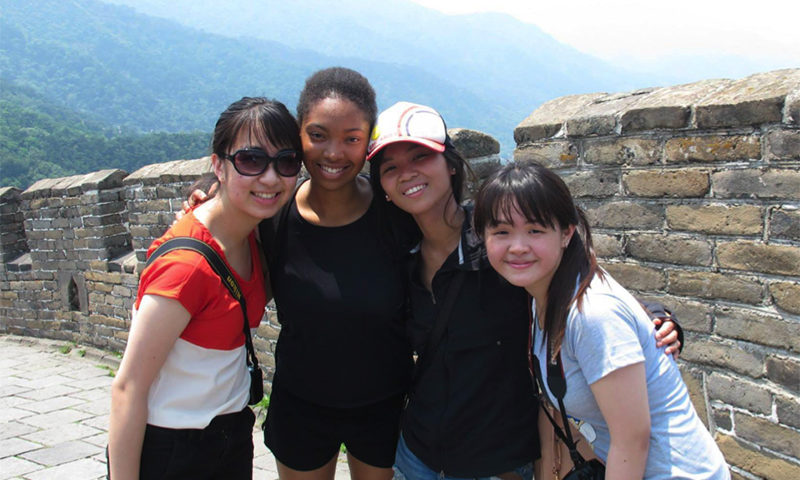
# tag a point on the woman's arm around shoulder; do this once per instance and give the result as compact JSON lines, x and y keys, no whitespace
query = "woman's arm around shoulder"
{"x":158,"y":324}
{"x":622,"y":398}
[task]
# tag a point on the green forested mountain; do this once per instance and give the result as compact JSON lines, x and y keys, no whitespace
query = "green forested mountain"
{"x":122,"y":72}
{"x":39,"y":139}
{"x":147,"y":73}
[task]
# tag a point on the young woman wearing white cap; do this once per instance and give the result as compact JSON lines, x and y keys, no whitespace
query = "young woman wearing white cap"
{"x":472,"y":412}
{"x":343,"y":362}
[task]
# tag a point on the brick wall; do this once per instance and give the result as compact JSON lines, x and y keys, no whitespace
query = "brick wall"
{"x":693,"y":192}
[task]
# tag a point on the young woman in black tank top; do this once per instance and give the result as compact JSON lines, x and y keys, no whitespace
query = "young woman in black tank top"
{"x":343,"y":361}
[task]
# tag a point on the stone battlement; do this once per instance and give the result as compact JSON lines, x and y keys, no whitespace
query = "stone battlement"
{"x":693,"y":192}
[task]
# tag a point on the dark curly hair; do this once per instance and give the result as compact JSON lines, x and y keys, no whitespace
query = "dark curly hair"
{"x":338,"y":82}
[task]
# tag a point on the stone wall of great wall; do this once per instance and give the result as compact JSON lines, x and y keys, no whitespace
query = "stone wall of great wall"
{"x":693,"y":192}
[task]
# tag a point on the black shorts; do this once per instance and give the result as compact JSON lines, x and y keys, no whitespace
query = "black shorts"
{"x":222,"y":450}
{"x":305,"y":436}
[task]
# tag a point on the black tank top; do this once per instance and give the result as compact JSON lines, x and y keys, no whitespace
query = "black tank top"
{"x":340,"y":299}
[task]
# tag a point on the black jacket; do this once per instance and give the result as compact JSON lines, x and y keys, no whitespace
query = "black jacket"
{"x":472,"y":412}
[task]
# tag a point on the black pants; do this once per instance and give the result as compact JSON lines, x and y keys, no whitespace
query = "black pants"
{"x":223,"y":450}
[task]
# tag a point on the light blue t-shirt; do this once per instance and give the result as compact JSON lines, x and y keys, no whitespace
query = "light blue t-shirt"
{"x":611,"y":331}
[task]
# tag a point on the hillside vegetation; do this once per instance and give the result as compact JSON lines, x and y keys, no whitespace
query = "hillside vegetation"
{"x":39,"y":140}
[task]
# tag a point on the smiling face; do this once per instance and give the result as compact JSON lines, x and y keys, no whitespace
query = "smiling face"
{"x":335,"y":134}
{"x":525,"y":252}
{"x":416,"y":178}
{"x":259,"y":196}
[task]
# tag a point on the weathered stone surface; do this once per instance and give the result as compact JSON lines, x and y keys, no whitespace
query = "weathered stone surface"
{"x":740,"y":393}
{"x":553,"y":154}
{"x":784,"y":371}
{"x":626,"y":215}
{"x":668,"y":107}
{"x":716,"y":219}
{"x":759,"y":257}
{"x":791,"y":109}
{"x":767,"y":434}
{"x":607,"y":246}
{"x":636,"y":277}
{"x":268,"y":331}
{"x":757,"y":183}
{"x":693,"y":378}
{"x":723,"y":418}
{"x":622,"y":151}
{"x":752,"y":100}
{"x":482,"y":167}
{"x":783,"y":145}
{"x":600,"y":116}
{"x":548,"y":120}
{"x":786,"y":296}
{"x":75,"y":184}
{"x":715,"y":286}
{"x":670,"y":249}
{"x":788,"y":410}
{"x":593,"y":183}
{"x":685,"y":183}
{"x":174,"y":171}
{"x":724,"y":354}
{"x":757,"y":327}
{"x":10,"y":194}
{"x":785,"y":223}
{"x":472,"y":143}
{"x":712,"y":148}
{"x":752,"y":459}
{"x":691,"y":314}
{"x":153,"y":205}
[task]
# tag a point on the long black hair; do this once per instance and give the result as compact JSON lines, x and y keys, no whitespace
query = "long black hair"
{"x":542,"y":197}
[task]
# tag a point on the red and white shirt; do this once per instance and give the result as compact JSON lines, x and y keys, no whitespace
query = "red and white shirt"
{"x":205,"y":373}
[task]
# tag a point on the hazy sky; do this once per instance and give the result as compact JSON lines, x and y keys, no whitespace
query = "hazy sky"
{"x":646,"y":32}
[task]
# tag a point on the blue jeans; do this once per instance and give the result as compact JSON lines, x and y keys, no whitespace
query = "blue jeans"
{"x":408,"y":467}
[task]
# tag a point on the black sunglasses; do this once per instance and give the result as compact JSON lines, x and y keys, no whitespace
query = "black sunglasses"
{"x":254,"y":161}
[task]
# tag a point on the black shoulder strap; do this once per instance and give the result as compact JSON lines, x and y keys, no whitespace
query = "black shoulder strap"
{"x":218,"y":265}
{"x":558,"y":387}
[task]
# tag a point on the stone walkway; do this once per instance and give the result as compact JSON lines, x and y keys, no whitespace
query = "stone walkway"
{"x":54,"y":405}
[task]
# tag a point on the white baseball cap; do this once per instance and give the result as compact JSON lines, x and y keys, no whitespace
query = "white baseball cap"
{"x":408,"y":122}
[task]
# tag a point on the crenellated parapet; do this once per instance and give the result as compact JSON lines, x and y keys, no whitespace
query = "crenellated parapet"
{"x":693,"y":194}
{"x":153,"y":194}
{"x":13,"y":243}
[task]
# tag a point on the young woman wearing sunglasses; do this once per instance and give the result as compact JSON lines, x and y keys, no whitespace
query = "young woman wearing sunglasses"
{"x":179,"y":401}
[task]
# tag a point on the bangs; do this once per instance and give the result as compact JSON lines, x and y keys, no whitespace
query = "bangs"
{"x":516,"y":198}
{"x":530,"y":190}
{"x":263,"y":126}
